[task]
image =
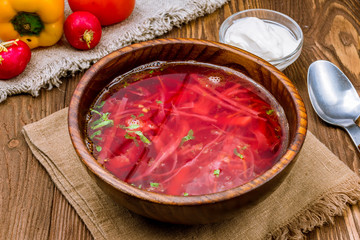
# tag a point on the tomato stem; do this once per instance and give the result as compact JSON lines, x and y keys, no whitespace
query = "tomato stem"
{"x":88,"y":36}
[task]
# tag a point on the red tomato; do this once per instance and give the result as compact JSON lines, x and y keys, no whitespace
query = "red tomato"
{"x":107,"y":11}
{"x":14,"y":57}
{"x":82,"y":30}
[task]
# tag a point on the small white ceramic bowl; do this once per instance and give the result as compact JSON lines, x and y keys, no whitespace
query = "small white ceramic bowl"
{"x":272,"y":17}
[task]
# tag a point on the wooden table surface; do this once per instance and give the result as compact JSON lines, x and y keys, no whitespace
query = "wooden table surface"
{"x":31,"y":207}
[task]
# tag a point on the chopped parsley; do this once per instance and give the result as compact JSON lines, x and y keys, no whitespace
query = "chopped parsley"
{"x":139,"y":133}
{"x":98,"y":148}
{"x":238,"y":154}
{"x":269,"y":112}
{"x":217,"y":172}
{"x":98,"y":132}
{"x":102,"y":121}
{"x":128,"y":136}
{"x":186,"y":194}
{"x":159,"y":102}
{"x":135,"y":185}
{"x":130,"y":127}
{"x":95,"y":111}
{"x":100,"y":105}
{"x":102,"y":124}
{"x":125,"y":84}
{"x":188,"y":137}
{"x":154,"y":184}
{"x":142,"y":137}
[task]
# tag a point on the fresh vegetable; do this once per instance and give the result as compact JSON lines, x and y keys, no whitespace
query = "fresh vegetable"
{"x":107,"y":11}
{"x":82,"y":30}
{"x":14,"y":57}
{"x":37,"y":23}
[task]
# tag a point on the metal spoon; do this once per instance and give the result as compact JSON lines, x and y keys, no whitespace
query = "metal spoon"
{"x":334,"y":98}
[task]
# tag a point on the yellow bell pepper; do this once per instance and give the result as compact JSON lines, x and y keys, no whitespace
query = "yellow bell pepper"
{"x":36,"y":22}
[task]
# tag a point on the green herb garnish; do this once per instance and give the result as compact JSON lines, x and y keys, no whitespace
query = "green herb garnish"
{"x":217,"y":172}
{"x":188,"y":137}
{"x":130,"y":127}
{"x":98,"y":132}
{"x":103,"y":124}
{"x":142,"y":137}
{"x":186,"y":194}
{"x":139,"y":133}
{"x":159,"y":102}
{"x":269,"y":112}
{"x":135,"y":185}
{"x":134,"y":117}
{"x":98,"y":148}
{"x":102,"y":121}
{"x":128,"y":136}
{"x":151,"y":72}
{"x":100,"y":105}
{"x":238,"y":154}
{"x":95,"y":111}
{"x":154,"y":184}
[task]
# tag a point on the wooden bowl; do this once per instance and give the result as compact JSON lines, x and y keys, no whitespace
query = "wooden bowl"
{"x":190,"y":209}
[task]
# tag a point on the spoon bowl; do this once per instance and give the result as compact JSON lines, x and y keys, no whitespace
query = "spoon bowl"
{"x":334,"y":98}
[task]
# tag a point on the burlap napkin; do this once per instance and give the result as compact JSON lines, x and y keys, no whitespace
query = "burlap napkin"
{"x":150,"y":18}
{"x":318,"y":188}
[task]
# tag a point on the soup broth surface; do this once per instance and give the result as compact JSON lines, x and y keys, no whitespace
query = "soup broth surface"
{"x":186,"y":128}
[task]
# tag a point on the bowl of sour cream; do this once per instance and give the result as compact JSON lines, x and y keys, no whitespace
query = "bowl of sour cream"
{"x":271,"y":35}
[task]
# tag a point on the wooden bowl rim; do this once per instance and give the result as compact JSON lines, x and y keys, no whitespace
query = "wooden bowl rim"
{"x":91,"y":163}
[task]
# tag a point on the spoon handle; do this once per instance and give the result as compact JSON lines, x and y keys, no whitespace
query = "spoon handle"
{"x":354,"y":132}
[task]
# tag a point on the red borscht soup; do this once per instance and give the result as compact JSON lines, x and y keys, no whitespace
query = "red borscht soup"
{"x":186,"y":128}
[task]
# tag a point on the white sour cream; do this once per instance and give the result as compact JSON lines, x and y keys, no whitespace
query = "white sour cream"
{"x":264,"y":39}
